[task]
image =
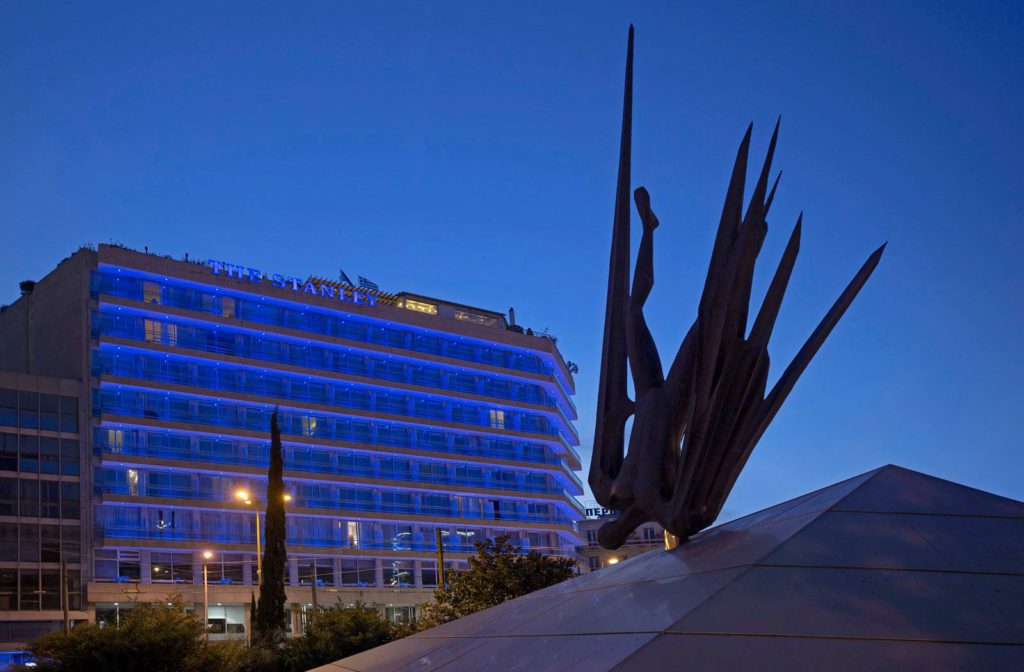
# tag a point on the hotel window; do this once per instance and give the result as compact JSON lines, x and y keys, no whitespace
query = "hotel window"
{"x":651,"y":534}
{"x":227,"y":306}
{"x":352,"y":529}
{"x":475,"y":318}
{"x":133,"y":482}
{"x":308,"y":425}
{"x":172,"y":334}
{"x":152,"y":328}
{"x":496,"y":418}
{"x":421,"y":307}
{"x":150,"y":292}
{"x":594,"y":562}
{"x":115,"y":440}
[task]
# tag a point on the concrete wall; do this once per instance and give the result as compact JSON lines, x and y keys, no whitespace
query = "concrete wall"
{"x":45,"y":332}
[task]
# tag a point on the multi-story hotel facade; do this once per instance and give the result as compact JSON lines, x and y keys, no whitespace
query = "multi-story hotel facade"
{"x":403,"y":417}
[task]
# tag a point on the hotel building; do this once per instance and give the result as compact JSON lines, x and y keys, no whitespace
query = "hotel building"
{"x":401,"y":416}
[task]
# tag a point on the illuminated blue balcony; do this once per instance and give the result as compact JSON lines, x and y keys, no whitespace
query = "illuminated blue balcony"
{"x":302,"y":390}
{"x":308,"y":318}
{"x":313,"y":462}
{"x":123,"y":400}
{"x":261,"y":347}
{"x":127,"y":522}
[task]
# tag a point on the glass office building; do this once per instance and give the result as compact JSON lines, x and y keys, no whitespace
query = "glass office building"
{"x":403,"y":418}
{"x":40,"y":509}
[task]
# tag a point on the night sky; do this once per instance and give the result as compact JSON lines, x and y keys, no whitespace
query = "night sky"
{"x":468,"y":151}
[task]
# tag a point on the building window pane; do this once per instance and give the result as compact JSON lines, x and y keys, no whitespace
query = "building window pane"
{"x":29,"y":498}
{"x":8,"y":452}
{"x":49,"y":455}
{"x":29,"y":588}
{"x":28,"y":454}
{"x":69,"y":414}
{"x":48,"y":408}
{"x":150,"y":292}
{"x":8,"y":408}
{"x":29,"y":403}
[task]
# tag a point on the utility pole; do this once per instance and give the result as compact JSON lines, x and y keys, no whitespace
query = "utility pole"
{"x":316,"y":607}
{"x":440,"y":559}
{"x":64,"y":601}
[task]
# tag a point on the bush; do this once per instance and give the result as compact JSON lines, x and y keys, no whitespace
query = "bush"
{"x":159,"y":637}
{"x":497,"y":573}
{"x":336,"y":633}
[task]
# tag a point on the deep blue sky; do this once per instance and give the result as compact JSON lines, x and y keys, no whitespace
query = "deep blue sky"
{"x":468,"y":151}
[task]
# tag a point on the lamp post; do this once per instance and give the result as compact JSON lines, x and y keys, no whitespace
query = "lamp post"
{"x":249,"y":500}
{"x":206,"y":596}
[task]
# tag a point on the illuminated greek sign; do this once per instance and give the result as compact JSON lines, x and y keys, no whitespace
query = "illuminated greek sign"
{"x":256,"y":276}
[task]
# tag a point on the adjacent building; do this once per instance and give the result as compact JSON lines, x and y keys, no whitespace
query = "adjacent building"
{"x":403,"y":418}
{"x":591,"y":556}
{"x":40,"y":508}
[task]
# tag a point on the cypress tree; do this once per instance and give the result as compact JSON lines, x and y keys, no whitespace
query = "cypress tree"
{"x":268,"y":628}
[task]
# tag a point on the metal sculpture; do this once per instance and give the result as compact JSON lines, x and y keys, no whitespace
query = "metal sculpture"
{"x":693,"y":429}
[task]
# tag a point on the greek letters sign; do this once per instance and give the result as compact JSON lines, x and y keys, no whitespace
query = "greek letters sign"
{"x":298,"y":285}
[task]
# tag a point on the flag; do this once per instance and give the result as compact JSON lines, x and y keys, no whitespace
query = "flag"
{"x":344,"y":278}
{"x":366,"y":284}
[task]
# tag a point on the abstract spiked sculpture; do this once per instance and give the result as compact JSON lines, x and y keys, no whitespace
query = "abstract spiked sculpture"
{"x":693,"y":429}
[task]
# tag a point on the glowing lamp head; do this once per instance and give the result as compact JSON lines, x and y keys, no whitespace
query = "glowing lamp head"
{"x":244,"y":496}
{"x":287,"y":497}
{"x":613,"y":561}
{"x":207,"y":555}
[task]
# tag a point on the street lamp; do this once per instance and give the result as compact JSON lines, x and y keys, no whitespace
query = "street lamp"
{"x":249,"y":500}
{"x":206,"y":596}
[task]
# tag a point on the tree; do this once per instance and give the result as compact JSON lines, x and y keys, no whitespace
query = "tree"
{"x":268,"y":628}
{"x":337,"y":632}
{"x":497,"y":573}
{"x":159,"y":637}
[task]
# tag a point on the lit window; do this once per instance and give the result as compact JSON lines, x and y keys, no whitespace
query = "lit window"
{"x":475,"y":318}
{"x":496,"y":418}
{"x":115,"y":440}
{"x":152,"y":331}
{"x":227,"y":306}
{"x":353,"y":534}
{"x":150,"y":292}
{"x":133,"y":482}
{"x":308,"y":425}
{"x":421,"y":307}
{"x":172,"y":334}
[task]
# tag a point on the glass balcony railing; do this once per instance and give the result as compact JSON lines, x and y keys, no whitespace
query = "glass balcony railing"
{"x":342,"y":505}
{"x":314,"y":320}
{"x":270,"y":348}
{"x":306,"y":428}
{"x":224,"y":454}
{"x":298,"y":390}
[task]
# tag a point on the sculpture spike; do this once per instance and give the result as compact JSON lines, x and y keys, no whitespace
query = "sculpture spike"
{"x":614,"y":405}
{"x":771,"y":194}
{"x":758,"y":197}
{"x":789,"y":377}
{"x":764,"y":323}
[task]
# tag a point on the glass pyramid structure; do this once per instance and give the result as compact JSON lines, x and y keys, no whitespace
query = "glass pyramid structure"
{"x":892,"y":569}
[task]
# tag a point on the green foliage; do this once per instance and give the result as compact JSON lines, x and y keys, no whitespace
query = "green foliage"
{"x":496,"y":573}
{"x":157,"y":637}
{"x":338,"y":632}
{"x":268,"y":627}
